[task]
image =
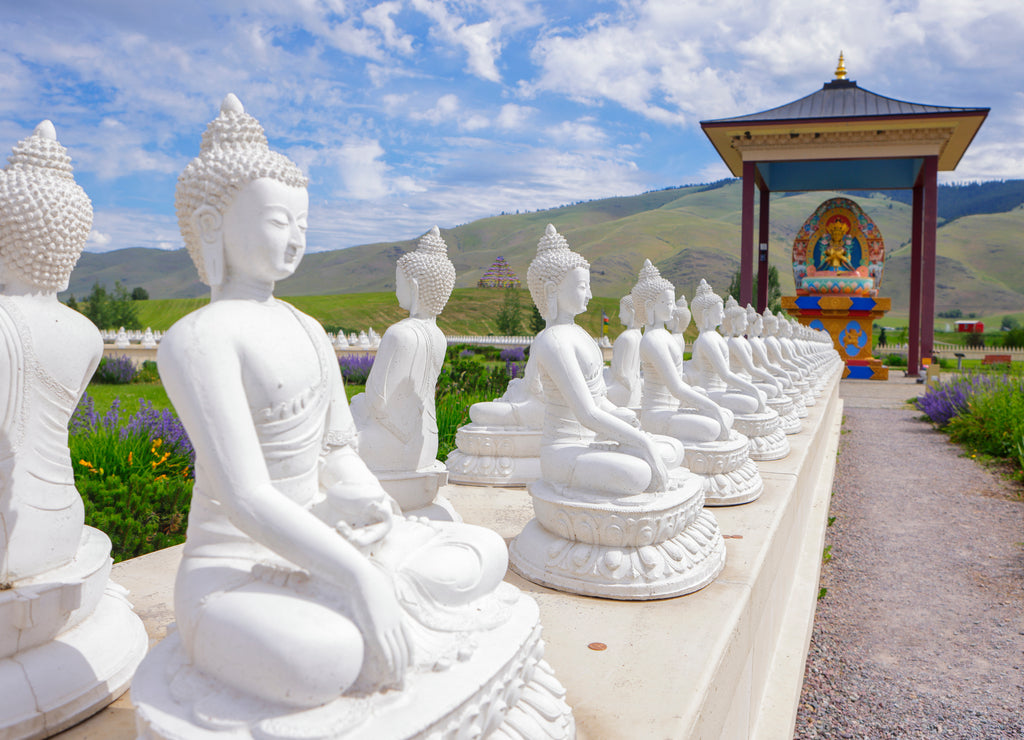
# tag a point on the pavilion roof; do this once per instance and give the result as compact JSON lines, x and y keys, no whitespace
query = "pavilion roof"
{"x":882,"y":140}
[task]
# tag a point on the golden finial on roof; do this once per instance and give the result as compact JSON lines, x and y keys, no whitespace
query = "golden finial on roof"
{"x":841,"y":68}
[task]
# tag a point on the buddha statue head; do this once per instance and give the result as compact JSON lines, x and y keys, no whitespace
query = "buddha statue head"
{"x":682,"y":315}
{"x":234,"y":157}
{"x":45,"y":216}
{"x":549,"y":269}
{"x":735,"y":321}
{"x":654,"y":297}
{"x":769,"y":323}
{"x":425,"y":277}
{"x":708,"y":310}
{"x":627,"y":314}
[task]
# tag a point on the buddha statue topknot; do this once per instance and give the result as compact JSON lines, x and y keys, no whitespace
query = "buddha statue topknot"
{"x":396,"y":416}
{"x":615,"y":514}
{"x":306,"y":604}
{"x":716,"y":452}
{"x":56,"y":599}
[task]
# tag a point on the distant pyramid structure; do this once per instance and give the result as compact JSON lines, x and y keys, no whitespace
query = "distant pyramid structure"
{"x":499,"y":275}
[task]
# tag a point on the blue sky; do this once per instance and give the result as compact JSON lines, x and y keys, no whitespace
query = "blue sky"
{"x":407,"y":113}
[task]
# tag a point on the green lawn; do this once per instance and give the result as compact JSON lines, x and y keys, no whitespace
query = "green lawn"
{"x":103,"y":395}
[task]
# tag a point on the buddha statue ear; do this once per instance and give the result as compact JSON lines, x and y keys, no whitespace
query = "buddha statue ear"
{"x":414,"y":302}
{"x":649,"y":312}
{"x":208,"y":224}
{"x":551,"y":299}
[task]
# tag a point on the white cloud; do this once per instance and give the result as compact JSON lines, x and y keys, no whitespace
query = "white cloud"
{"x":98,"y":240}
{"x":514,"y":116}
{"x":380,"y":18}
{"x":481,"y":41}
{"x":581,"y":133}
{"x":446,"y":109}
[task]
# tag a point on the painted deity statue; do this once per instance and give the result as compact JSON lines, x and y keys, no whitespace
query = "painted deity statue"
{"x":741,"y":361}
{"x":54,"y":571}
{"x":711,"y":369}
{"x":301,"y":585}
{"x":603,"y":481}
{"x":623,"y":377}
{"x":714,"y":449}
{"x":396,"y":416}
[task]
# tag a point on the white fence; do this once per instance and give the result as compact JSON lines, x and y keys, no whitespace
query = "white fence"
{"x":950,"y":351}
{"x":490,"y":340}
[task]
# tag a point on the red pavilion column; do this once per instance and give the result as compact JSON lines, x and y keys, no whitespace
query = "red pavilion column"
{"x":747,"y":236}
{"x":930,"y":226}
{"x":762,"y":252}
{"x":914,"y":338}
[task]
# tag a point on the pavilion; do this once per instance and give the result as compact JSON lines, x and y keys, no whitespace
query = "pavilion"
{"x":844,"y":137}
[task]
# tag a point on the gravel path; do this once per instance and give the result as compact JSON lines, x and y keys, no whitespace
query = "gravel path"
{"x":921,"y":631}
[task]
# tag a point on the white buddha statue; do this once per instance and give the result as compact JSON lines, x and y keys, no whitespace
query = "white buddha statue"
{"x":613,"y":506}
{"x":55,"y":597}
{"x":623,"y":377}
{"x":759,"y":352}
{"x":396,"y":416}
{"x":306,"y":604}
{"x":680,"y":320}
{"x":148,"y":340}
{"x":714,"y":450}
{"x":741,"y":362}
{"x":710,"y":368}
{"x":782,"y":354}
{"x":122,"y":341}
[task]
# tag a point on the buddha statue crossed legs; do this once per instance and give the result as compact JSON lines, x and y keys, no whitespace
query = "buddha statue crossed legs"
{"x":714,"y":450}
{"x":303,"y":593}
{"x":615,"y":514}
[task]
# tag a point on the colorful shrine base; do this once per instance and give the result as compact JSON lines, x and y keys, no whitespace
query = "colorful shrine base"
{"x":849,"y":321}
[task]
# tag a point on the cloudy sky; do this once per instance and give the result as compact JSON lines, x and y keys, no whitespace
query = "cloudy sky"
{"x":407,"y":113}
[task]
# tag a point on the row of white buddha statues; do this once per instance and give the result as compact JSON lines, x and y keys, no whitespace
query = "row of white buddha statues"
{"x":326,"y":588}
{"x":123,"y":338}
{"x":365,"y":339}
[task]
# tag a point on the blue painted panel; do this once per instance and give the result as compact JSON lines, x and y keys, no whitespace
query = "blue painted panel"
{"x":860,"y":372}
{"x":807,"y":301}
{"x":860,"y":303}
{"x":852,"y":174}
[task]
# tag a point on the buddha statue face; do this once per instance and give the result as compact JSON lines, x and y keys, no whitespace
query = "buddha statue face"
{"x":573,"y":293}
{"x":626,"y":313}
{"x":664,"y":305}
{"x":263,"y":232}
{"x":708,"y":310}
{"x":681,"y":316}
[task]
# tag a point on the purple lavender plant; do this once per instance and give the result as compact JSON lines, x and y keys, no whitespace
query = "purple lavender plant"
{"x":84,"y":418}
{"x":355,"y":369}
{"x":513,"y":354}
{"x":948,"y":400}
{"x":162,"y":424}
{"x":118,"y":371}
{"x":467,"y":353}
{"x":512,"y":369}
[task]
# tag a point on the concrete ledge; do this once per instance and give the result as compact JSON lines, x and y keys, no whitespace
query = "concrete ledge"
{"x":724,"y":662}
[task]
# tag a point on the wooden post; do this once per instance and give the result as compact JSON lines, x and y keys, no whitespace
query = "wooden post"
{"x":747,"y":236}
{"x":762,"y":253}
{"x":914,"y":338}
{"x":931,"y":217}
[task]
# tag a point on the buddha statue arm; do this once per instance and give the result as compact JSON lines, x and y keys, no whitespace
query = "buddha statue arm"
{"x":561,"y":365}
{"x":201,"y":370}
{"x":658,"y":355}
{"x":740,"y":350}
{"x":710,"y":345}
{"x":757,"y":348}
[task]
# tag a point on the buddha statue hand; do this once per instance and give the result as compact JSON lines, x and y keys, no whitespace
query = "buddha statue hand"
{"x":388,"y":648}
{"x":627,"y":415}
{"x":366,"y":525}
{"x":648,"y":451}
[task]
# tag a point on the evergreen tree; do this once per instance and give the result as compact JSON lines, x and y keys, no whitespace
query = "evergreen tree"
{"x":111,"y":310}
{"x":537,"y":323}
{"x":510,"y":316}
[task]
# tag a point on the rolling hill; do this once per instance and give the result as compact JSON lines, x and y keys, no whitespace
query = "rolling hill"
{"x":689,"y":232}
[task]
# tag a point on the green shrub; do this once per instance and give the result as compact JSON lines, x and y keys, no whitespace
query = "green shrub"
{"x":994,"y":422}
{"x":895,"y":360}
{"x":148,"y":373}
{"x":139,"y":513}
